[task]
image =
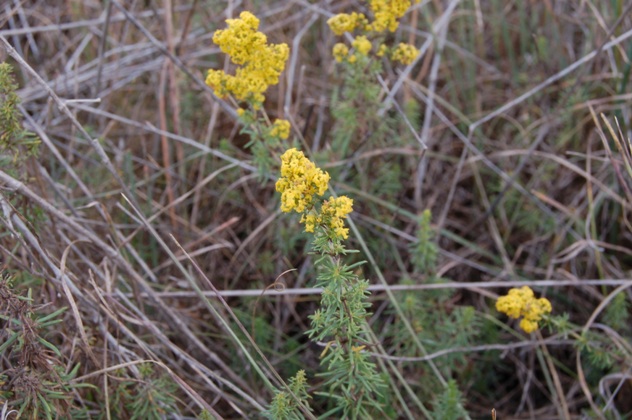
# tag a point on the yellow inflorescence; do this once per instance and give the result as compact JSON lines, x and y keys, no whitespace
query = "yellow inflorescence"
{"x":522,"y":303}
{"x":340,"y":52}
{"x":261,"y":63}
{"x":405,"y":53}
{"x":241,"y":38}
{"x":387,"y":14}
{"x":332,"y":214}
{"x":280,"y":129}
{"x":344,"y":22}
{"x":300,"y":181}
{"x":362,"y":45}
{"x":334,"y":211}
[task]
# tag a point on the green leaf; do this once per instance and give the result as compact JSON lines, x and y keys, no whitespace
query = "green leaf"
{"x":43,"y":321}
{"x":49,"y":346}
{"x":9,"y":341}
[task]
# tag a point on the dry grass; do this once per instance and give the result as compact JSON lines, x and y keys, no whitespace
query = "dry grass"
{"x":143,"y":200}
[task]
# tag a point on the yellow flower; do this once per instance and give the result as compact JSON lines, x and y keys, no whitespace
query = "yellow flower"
{"x":300,"y":181}
{"x":387,"y":13}
{"x":241,"y":40}
{"x":382,"y":50}
{"x":405,"y":53}
{"x":333,"y":212}
{"x":280,"y":129}
{"x":310,"y":220}
{"x":362,"y":45}
{"x":528,"y":326}
{"x":260,"y":63}
{"x":332,"y":215}
{"x":340,"y":52}
{"x":344,"y":22}
{"x":522,"y":303}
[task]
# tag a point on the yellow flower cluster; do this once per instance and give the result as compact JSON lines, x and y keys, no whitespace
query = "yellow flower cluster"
{"x":386,"y":17}
{"x":344,"y":22}
{"x":280,"y":129}
{"x":334,"y":211}
{"x":362,"y":45}
{"x":405,"y":53}
{"x":522,"y":303}
{"x":340,"y":52}
{"x":387,"y":14}
{"x":332,"y":214}
{"x":300,"y":181}
{"x":261,"y":63}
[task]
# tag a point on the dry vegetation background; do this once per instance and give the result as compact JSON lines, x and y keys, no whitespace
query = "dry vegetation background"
{"x":524,"y":179}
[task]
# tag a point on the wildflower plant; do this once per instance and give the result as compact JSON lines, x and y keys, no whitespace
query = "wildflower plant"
{"x":351,"y":380}
{"x":259,"y":66}
{"x":351,"y":377}
{"x":386,"y":16}
{"x":356,"y":104}
{"x":283,"y":406}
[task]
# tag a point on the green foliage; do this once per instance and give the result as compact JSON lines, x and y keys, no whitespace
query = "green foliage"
{"x":351,"y":377}
{"x":524,"y":216}
{"x":354,"y":385}
{"x":284,"y":405}
{"x":617,"y":313}
{"x":438,"y":326}
{"x":386,"y":182}
{"x":600,"y":354}
{"x":343,"y":299}
{"x":355,"y":106}
{"x":149,"y":396}
{"x":152,"y":398}
{"x":263,"y":143}
{"x":359,"y":127}
{"x":33,"y":377}
{"x":449,"y":404}
{"x":205,"y":415}
{"x":16,"y":143}
{"x":560,"y":324}
{"x":424,"y":252}
{"x":270,"y":340}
